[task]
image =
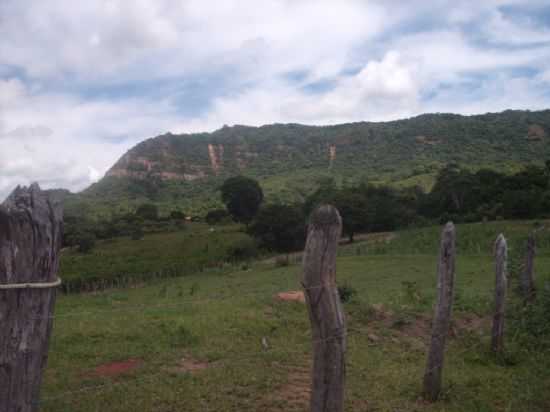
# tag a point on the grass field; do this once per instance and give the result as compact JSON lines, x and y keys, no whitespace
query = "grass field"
{"x":194,"y":343}
{"x":156,"y":255}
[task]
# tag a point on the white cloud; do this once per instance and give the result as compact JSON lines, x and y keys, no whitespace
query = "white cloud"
{"x":59,"y":140}
{"x":377,"y":60}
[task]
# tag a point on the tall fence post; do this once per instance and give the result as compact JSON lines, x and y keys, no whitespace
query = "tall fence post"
{"x":30,"y":238}
{"x":501,"y":256}
{"x":527,"y":283}
{"x":442,"y":315}
{"x":325,"y":310}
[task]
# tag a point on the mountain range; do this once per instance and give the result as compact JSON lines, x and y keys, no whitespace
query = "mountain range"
{"x":183,"y":171}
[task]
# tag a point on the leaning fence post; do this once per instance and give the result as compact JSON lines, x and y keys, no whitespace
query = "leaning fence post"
{"x":325,"y":310}
{"x":527,"y":283}
{"x":501,"y":255}
{"x":30,"y":239}
{"x":442,"y":315}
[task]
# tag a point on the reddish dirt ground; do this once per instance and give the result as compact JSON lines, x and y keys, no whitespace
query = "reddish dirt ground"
{"x":191,"y":365}
{"x":292,"y":295}
{"x":117,"y":368}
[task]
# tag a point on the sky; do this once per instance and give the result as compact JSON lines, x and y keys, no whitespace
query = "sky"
{"x":81,"y":82}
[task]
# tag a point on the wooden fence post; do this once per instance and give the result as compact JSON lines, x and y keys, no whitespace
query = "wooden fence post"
{"x":442,"y":315}
{"x":527,"y":283}
{"x":325,"y":310}
{"x":30,"y":240}
{"x":501,"y":256}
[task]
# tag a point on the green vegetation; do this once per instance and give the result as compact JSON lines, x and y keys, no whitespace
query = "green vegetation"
{"x":194,"y":343}
{"x":127,"y":260}
{"x":279,"y":228}
{"x":290,"y":160}
{"x":242,"y":197}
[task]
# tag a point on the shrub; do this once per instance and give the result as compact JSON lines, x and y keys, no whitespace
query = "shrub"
{"x":281,"y":261}
{"x":137,"y":233}
{"x":346,"y":292}
{"x":148,"y":211}
{"x":217,"y":216}
{"x":177,"y":215}
{"x":85,"y":242}
{"x":243,"y":249}
{"x":279,"y":228}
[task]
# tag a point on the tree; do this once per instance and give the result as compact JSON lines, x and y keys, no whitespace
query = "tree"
{"x":353,"y":208}
{"x":323,"y":195}
{"x":280,"y":228}
{"x":216,"y":216}
{"x":177,"y":215}
{"x":85,"y":242}
{"x":148,"y":211}
{"x":242,"y":197}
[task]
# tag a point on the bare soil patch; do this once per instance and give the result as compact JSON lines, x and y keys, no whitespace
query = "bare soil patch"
{"x":294,"y":394}
{"x":292,"y":296}
{"x":117,"y":368}
{"x":190,"y":365}
{"x":418,"y":327}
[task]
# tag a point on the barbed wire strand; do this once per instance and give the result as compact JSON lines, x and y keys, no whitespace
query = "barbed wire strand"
{"x":347,"y":333}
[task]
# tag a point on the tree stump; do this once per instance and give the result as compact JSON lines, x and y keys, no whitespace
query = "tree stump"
{"x":442,"y":315}
{"x":501,"y":281}
{"x":30,"y":239}
{"x":527,"y":283}
{"x":325,"y":310}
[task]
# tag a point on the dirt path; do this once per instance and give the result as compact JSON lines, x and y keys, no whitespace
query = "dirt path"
{"x":295,"y":257}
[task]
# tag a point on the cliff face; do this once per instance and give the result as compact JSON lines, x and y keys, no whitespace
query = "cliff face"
{"x":188,"y":164}
{"x":228,"y":151}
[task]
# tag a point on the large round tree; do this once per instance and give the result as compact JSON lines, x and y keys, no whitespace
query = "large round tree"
{"x":280,"y":228}
{"x":242,"y":197}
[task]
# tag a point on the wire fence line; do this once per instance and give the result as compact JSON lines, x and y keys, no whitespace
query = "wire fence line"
{"x":350,"y":332}
{"x":182,"y":302}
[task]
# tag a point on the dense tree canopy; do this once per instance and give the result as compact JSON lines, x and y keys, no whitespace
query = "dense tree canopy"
{"x":279,"y":228}
{"x":242,"y":197}
{"x":463,"y":195}
{"x":148,"y":211}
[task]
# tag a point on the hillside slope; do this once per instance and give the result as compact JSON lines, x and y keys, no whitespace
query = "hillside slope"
{"x":289,"y":159}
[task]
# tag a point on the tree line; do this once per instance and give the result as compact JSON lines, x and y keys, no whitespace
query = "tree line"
{"x":458,"y":194}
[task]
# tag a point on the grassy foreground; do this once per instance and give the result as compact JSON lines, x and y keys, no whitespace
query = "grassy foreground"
{"x":194,"y":343}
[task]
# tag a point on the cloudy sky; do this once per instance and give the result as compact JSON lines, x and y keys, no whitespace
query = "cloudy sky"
{"x":83,"y":81}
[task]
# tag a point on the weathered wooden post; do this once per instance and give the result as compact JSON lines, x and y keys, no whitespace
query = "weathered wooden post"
{"x":442,"y":315}
{"x":501,"y":281}
{"x":325,"y":310}
{"x":30,"y":239}
{"x":527,"y":283}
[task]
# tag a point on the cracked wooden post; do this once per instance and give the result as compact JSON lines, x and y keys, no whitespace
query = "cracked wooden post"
{"x":442,"y":315}
{"x":325,"y":310}
{"x":501,"y":281}
{"x":527,"y":283}
{"x":30,"y":239}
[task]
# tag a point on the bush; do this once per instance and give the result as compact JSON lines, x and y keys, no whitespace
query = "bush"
{"x":281,"y":261}
{"x":86,"y":242}
{"x":177,"y":215}
{"x":137,"y":233}
{"x":279,"y":228}
{"x":346,"y":293}
{"x":532,"y":319}
{"x":243,"y":249}
{"x":148,"y":211}
{"x":217,"y":216}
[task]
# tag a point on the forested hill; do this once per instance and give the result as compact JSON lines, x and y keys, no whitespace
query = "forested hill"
{"x":290,"y":159}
